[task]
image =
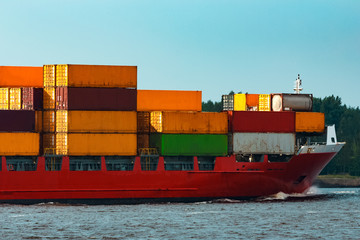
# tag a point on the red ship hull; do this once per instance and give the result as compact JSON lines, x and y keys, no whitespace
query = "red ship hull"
{"x":229,"y":179}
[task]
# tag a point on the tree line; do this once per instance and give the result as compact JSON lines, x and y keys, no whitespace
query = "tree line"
{"x":347,"y":123}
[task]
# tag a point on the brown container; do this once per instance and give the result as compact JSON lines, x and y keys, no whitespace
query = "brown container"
{"x":96,"y":99}
{"x":143,"y":122}
{"x":21,"y":76}
{"x":32,"y":98}
{"x":17,"y":121}
{"x":48,"y":143}
{"x":164,"y":100}
{"x":143,"y":140}
{"x":96,"y":76}
{"x":309,"y":122}
{"x":19,"y":144}
{"x":95,"y":121}
{"x":38,"y":121}
{"x":97,"y":144}
{"x":189,"y":122}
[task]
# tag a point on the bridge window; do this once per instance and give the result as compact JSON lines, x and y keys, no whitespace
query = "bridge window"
{"x":119,"y":163}
{"x":179,"y":163}
{"x":206,"y":163}
{"x":21,"y":163}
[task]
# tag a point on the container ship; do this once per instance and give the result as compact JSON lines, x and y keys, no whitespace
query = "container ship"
{"x":86,"y":134}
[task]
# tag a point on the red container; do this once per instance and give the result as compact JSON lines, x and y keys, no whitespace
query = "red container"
{"x":32,"y":98}
{"x":107,"y":99}
{"x":253,"y":121}
{"x":17,"y":121}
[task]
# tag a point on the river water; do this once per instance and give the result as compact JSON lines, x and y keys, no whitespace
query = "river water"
{"x":323,"y":213}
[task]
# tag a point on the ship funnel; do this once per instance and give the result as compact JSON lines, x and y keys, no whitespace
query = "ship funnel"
{"x":298,"y":83}
{"x":331,"y":135}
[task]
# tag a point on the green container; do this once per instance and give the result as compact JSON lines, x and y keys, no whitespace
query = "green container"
{"x":190,"y":144}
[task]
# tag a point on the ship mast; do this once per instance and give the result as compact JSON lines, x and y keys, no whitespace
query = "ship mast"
{"x":298,"y":87}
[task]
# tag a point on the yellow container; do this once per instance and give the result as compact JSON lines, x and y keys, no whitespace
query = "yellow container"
{"x":49,"y":98}
{"x":4,"y":98}
{"x":15,"y":99}
{"x":164,"y":100}
{"x":49,"y":145}
{"x":96,"y":76}
{"x":189,"y":122}
{"x":264,"y":102}
{"x":96,"y":144}
{"x":96,"y":121}
{"x":309,"y":122}
{"x":49,"y":120}
{"x":49,"y":75}
{"x":240,"y":102}
{"x":19,"y":144}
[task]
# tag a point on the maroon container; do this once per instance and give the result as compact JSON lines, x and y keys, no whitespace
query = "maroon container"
{"x":32,"y":98}
{"x":272,"y":122}
{"x":17,"y":121}
{"x":107,"y":99}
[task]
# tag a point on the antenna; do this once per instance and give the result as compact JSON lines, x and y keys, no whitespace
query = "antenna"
{"x":298,"y":87}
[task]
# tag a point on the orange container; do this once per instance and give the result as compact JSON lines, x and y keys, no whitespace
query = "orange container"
{"x":19,"y":144}
{"x":95,"y":144}
{"x":96,"y":76}
{"x":165,"y":100}
{"x":38,"y":121}
{"x":189,"y":122}
{"x":252,"y":100}
{"x":309,"y":122}
{"x":49,"y":98}
{"x":96,"y":121}
{"x":21,"y":76}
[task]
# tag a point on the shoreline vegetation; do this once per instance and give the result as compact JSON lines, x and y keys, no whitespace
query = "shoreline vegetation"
{"x":337,"y":181}
{"x":346,"y":120}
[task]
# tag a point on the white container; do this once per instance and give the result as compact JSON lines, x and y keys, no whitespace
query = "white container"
{"x":263,"y":143}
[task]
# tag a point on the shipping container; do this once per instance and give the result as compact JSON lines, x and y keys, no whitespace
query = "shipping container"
{"x":227,"y":102}
{"x":96,"y":144}
{"x":252,"y":102}
{"x":263,"y":143}
{"x":96,"y":121}
{"x":4,"y":98}
{"x":49,"y":98}
{"x":165,"y":100}
{"x":189,"y":122}
{"x":292,"y":102}
{"x":254,"y":121}
{"x":264,"y":102}
{"x":11,"y":76}
{"x":49,"y":120}
{"x":309,"y":122}
{"x":15,"y":99}
{"x":48,"y":143}
{"x":17,"y":121}
{"x":240,"y":102}
{"x":96,"y":99}
{"x":32,"y":98}
{"x":189,"y":144}
{"x":49,"y":72}
{"x":96,"y":76}
{"x":19,"y":144}
{"x":38,"y":121}
{"x":143,"y":122}
{"x":143,"y":140}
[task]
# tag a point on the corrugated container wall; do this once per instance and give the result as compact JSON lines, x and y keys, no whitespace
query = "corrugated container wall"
{"x":49,"y":120}
{"x":21,"y":76}
{"x":96,"y":121}
{"x":240,"y":102}
{"x":165,"y":100}
{"x":227,"y":102}
{"x":32,"y":98}
{"x":49,"y":98}
{"x":96,"y":76}
{"x":254,"y":121}
{"x":96,"y":99}
{"x":15,"y":99}
{"x":189,"y":122}
{"x":19,"y":144}
{"x":17,"y":121}
{"x":263,"y":143}
{"x":143,"y":122}
{"x":4,"y":98}
{"x":264,"y":102}
{"x":48,"y":143}
{"x":97,"y":144}
{"x":143,"y":140}
{"x":310,"y":122}
{"x":190,"y":144}
{"x":252,"y":101}
{"x":49,"y":75}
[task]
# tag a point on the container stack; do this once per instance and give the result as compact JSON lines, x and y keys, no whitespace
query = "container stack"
{"x":92,"y":109}
{"x":20,"y":111}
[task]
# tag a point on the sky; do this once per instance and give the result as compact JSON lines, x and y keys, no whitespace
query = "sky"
{"x":214,"y":46}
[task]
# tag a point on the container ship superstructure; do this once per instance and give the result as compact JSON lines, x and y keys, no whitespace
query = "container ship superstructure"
{"x":86,"y":134}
